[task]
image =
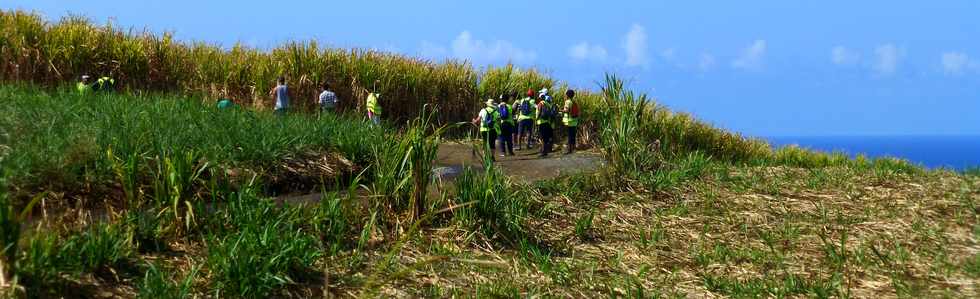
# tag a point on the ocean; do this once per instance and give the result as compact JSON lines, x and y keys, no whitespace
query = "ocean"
{"x":953,"y":152}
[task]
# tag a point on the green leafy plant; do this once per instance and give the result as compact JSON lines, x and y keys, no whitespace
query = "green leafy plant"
{"x":176,"y":177}
{"x":39,"y":264}
{"x":10,"y":232}
{"x":583,"y":226}
{"x":160,"y":284}
{"x":488,"y":204}
{"x":99,"y":247}
{"x":403,"y":168}
{"x":259,"y":249}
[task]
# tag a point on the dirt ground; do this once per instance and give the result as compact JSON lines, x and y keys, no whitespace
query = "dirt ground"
{"x":525,"y":165}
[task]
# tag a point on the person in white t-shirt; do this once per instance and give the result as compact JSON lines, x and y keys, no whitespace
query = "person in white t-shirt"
{"x":281,"y":94}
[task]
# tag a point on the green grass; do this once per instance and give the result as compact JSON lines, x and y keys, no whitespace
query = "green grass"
{"x":780,"y":287}
{"x":488,"y":204}
{"x":332,"y":220}
{"x":584,"y":226}
{"x":256,"y":248}
{"x":39,"y":264}
{"x":72,"y":142}
{"x":101,"y":247}
{"x":403,"y":167}
{"x":159,"y":284}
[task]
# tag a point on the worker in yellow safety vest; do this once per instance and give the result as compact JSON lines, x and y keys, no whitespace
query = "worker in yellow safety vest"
{"x":84,"y":86}
{"x":489,"y":122}
{"x":525,"y":109}
{"x":570,"y":113}
{"x":104,"y":83}
{"x":506,"y":132}
{"x":374,"y":107}
{"x":546,"y":117}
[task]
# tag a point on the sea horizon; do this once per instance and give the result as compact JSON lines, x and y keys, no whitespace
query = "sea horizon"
{"x":956,"y":152}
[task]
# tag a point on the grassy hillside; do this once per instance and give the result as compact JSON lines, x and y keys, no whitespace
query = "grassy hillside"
{"x":154,"y":193}
{"x":186,"y":222}
{"x":53,"y":54}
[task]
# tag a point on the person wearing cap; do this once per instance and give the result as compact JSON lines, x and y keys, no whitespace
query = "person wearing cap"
{"x":488,"y":121}
{"x":525,"y":119}
{"x":506,"y":133}
{"x":570,"y":112}
{"x":83,"y":86}
{"x":545,"y":116}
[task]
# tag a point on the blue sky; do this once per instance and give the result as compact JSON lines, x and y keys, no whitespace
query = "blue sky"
{"x":763,"y":68}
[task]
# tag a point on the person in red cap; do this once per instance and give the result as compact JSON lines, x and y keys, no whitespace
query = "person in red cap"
{"x":525,"y":119}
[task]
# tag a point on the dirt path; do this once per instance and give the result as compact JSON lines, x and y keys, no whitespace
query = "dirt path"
{"x":452,"y":158}
{"x":526,"y":165}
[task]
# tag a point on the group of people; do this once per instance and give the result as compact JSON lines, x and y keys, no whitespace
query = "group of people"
{"x":327,"y":100}
{"x":87,"y":85}
{"x":504,"y":122}
{"x":507,"y":121}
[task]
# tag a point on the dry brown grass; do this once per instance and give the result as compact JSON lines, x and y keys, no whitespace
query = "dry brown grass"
{"x":905,"y":236}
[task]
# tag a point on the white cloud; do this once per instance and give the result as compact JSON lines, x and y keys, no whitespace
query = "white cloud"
{"x":887,"y":59}
{"x":481,"y":52}
{"x":841,"y":55}
{"x":635,"y":44}
{"x":957,"y":63}
{"x":707,"y":62}
{"x":752,"y":56}
{"x":584,"y":51}
{"x":432,"y":50}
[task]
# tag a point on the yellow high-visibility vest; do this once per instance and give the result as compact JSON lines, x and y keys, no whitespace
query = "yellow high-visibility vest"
{"x":543,"y":119}
{"x":567,"y":117}
{"x":530,"y":112}
{"x":492,"y":113}
{"x":372,"y":104}
{"x":83,"y":88}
